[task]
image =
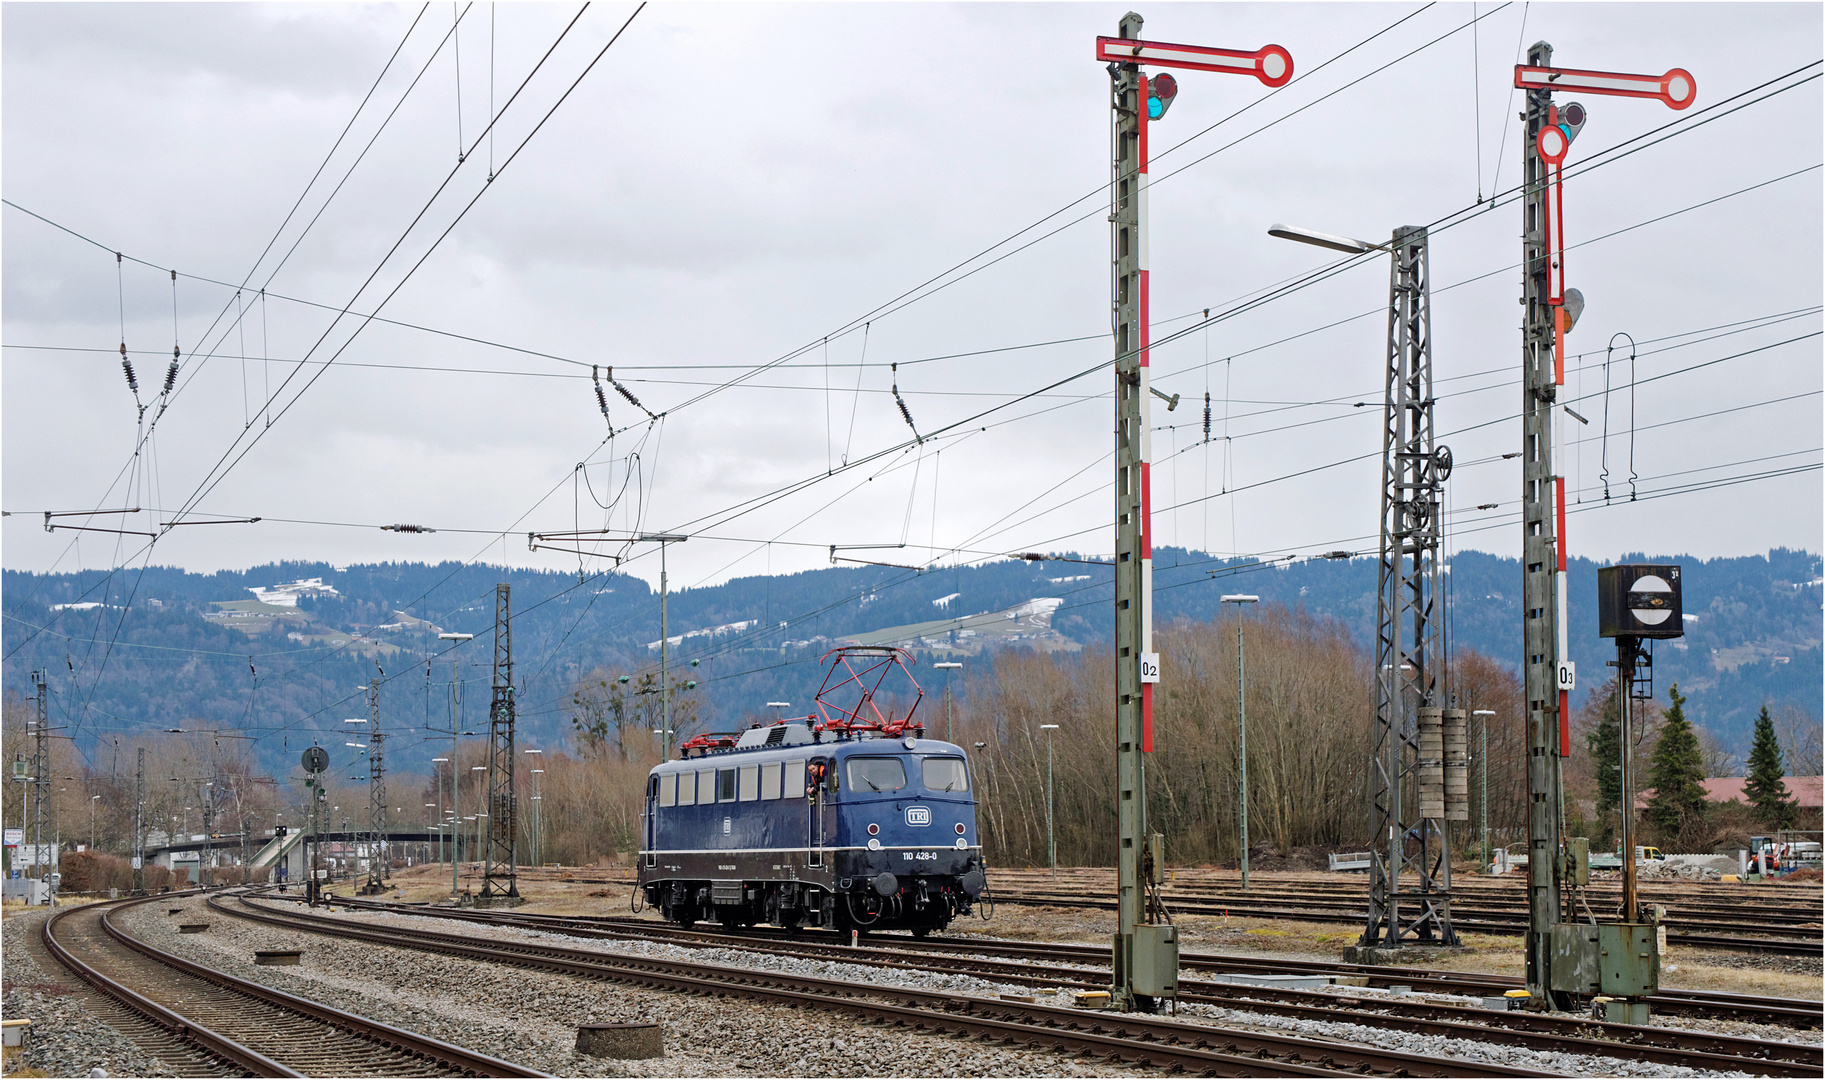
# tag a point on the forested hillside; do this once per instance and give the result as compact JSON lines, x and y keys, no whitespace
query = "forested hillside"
{"x":169,"y":649}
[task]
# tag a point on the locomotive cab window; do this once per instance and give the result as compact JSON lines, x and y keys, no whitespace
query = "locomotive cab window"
{"x":944,"y":774}
{"x":668,"y":789}
{"x":876,"y":774}
{"x":725,"y":785}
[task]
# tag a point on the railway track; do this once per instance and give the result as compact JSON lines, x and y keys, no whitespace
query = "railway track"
{"x":1465,"y":916}
{"x":1771,"y":919}
{"x":1534,"y":1031}
{"x":1145,"y":1040}
{"x":205,"y":1022}
{"x":1788,"y":1012}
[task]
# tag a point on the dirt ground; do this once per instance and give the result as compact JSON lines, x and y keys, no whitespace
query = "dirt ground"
{"x":601,"y":891}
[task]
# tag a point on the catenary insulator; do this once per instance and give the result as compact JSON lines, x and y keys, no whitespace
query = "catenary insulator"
{"x":171,"y":374}
{"x":132,"y":379}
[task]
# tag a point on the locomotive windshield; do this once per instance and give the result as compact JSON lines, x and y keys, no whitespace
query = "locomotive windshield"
{"x":876,"y":774}
{"x":944,"y":774}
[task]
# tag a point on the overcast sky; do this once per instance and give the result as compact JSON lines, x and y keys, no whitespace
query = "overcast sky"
{"x":732,"y":185}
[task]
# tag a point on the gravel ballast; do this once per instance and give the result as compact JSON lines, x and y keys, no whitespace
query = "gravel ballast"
{"x":531,"y":1017}
{"x":66,"y":1038}
{"x":719,"y":1037}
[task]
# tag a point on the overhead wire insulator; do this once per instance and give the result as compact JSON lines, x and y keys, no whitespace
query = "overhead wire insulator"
{"x":628,"y":394}
{"x":601,"y":395}
{"x":127,"y":366}
{"x":904,"y":411}
{"x":171,"y":372}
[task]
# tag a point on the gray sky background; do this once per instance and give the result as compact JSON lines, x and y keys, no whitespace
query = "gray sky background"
{"x":733,"y":183}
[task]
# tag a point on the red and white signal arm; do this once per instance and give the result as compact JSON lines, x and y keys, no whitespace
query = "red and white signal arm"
{"x":1676,"y":88}
{"x":1271,"y":64}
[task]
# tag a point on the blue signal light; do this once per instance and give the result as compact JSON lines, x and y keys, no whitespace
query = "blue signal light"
{"x":1161,"y":89}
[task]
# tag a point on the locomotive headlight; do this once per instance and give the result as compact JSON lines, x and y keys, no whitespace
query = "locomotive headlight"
{"x":959,"y":828}
{"x":873,"y":829}
{"x":874,"y":845}
{"x":911,"y":743}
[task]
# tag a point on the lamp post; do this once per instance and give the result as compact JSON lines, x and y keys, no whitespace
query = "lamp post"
{"x":477,"y":852}
{"x":1483,"y":785}
{"x":947,"y":667}
{"x":1239,"y":599}
{"x":456,"y":726}
{"x":92,"y":799}
{"x":440,"y":805}
{"x":535,"y":803}
{"x":1051,"y":843}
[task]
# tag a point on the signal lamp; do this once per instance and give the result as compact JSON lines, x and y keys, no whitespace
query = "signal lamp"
{"x":1161,"y":89}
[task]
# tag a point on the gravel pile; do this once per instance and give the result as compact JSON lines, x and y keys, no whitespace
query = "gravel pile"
{"x":66,"y":1039}
{"x":531,"y":1017}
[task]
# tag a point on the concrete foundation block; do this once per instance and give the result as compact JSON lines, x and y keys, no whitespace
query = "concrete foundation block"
{"x":621,"y":1040}
{"x":276,"y":957}
{"x":192,"y":927}
{"x":1382,"y":956}
{"x":1276,"y":982}
{"x":499,"y":901}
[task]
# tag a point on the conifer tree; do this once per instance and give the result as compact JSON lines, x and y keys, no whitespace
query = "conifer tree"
{"x":1605,"y":746}
{"x":1764,"y":787}
{"x":1677,"y":772}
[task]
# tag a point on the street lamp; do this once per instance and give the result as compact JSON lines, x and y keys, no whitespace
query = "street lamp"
{"x":440,"y":805}
{"x":947,"y":667}
{"x":478,"y":852}
{"x":92,"y":799}
{"x":1051,"y":843}
{"x":1323,"y":240}
{"x":1239,"y":599}
{"x":456,"y":726}
{"x":1483,"y":757}
{"x":535,"y":804}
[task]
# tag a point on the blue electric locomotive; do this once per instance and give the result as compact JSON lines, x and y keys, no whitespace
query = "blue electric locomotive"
{"x":849,"y":820}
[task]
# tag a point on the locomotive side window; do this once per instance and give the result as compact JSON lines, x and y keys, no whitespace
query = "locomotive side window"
{"x":668,"y":789}
{"x":748,"y":786}
{"x":769,"y":780}
{"x":792,"y":782}
{"x":876,"y":774}
{"x":944,"y":774}
{"x":706,"y":787}
{"x":725,"y":785}
{"x":687,"y":788}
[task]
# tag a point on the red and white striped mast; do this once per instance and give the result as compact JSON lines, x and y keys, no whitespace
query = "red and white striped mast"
{"x":1146,"y":947}
{"x":1550,"y":309}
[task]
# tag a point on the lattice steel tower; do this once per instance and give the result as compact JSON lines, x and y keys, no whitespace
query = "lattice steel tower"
{"x":499,"y":875}
{"x":1406,"y":771}
{"x":377,"y":793}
